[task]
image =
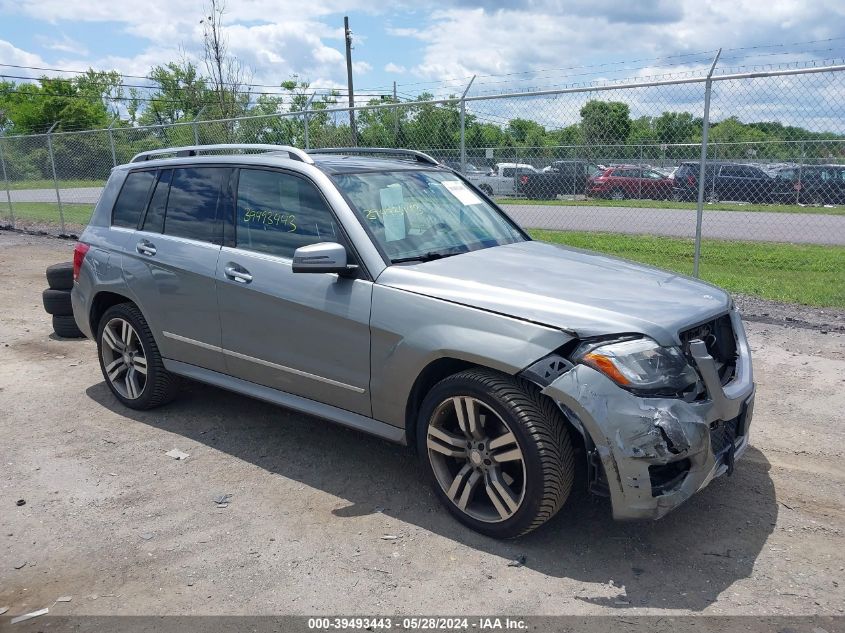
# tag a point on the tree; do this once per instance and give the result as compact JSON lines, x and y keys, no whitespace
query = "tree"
{"x":526,"y":133}
{"x":676,"y":127}
{"x":227,"y":76}
{"x":605,"y":122}
{"x":181,"y":94}
{"x":81,"y":103}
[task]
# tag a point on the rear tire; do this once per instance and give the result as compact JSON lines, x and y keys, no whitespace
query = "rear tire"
{"x":57,"y":302}
{"x":60,"y":276}
{"x":65,"y":327}
{"x":487,"y":190}
{"x":511,"y":470}
{"x":130,"y":361}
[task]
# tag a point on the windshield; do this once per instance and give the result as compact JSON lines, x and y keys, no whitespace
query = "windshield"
{"x":424,"y":215}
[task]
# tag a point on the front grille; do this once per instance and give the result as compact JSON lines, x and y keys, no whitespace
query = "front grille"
{"x":718,"y":336}
{"x":723,"y":434}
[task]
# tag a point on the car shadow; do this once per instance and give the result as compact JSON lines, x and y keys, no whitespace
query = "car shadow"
{"x":704,"y":546}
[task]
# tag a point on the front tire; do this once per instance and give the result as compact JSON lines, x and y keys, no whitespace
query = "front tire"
{"x":498,"y":452}
{"x":130,"y":360}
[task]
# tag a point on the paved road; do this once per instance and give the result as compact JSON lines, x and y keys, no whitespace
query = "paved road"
{"x":82,"y":195}
{"x":809,"y":228}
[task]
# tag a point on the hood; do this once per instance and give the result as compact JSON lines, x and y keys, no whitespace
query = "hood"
{"x":566,"y":288}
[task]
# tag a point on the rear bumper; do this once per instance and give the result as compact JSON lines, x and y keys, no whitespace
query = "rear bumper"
{"x":658,"y":452}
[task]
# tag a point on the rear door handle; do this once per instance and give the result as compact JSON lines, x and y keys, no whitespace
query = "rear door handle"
{"x":236,"y":273}
{"x":145,"y":248}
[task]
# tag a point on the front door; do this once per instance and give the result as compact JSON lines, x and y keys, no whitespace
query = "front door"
{"x":306,"y":333}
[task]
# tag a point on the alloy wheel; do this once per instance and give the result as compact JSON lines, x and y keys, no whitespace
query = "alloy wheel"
{"x":476,"y":459}
{"x":124,"y":360}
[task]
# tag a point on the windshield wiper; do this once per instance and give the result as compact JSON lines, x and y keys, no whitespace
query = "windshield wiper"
{"x":425,"y":257}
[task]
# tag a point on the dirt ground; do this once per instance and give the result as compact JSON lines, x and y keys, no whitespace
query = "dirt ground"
{"x":112,"y":521}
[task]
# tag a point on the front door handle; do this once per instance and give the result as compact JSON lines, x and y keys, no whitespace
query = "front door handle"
{"x":236,"y":273}
{"x":145,"y":247}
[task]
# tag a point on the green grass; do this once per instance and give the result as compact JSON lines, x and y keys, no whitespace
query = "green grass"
{"x":671,"y":204}
{"x":47,"y":211}
{"x":792,"y":273}
{"x":50,"y":184}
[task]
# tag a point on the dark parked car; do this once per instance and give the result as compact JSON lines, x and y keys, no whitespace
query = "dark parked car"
{"x":810,"y":184}
{"x":724,"y":181}
{"x":629,"y":181}
{"x":563,"y":177}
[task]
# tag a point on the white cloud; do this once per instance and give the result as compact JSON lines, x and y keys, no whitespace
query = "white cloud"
{"x":398,"y":69}
{"x":64,"y":44}
{"x":299,"y":42}
{"x":461,"y":41}
{"x":11,"y":54}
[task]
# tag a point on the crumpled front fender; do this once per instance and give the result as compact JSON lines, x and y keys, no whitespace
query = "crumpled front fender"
{"x":633,"y":433}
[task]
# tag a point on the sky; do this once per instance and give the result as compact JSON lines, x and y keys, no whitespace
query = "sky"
{"x":434,"y":47}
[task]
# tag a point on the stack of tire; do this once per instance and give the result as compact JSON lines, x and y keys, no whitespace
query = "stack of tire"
{"x":56,"y":300}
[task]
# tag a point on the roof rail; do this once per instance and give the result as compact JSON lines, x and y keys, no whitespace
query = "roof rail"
{"x":193,"y":150}
{"x":420,"y":157}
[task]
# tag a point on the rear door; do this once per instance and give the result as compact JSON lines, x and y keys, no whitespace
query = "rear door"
{"x":729,"y":183}
{"x":306,"y":333}
{"x":172,"y":259}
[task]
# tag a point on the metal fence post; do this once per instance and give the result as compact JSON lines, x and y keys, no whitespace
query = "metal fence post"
{"x":55,"y":177}
{"x":463,"y":127}
{"x":640,"y":179}
{"x":111,"y":143}
{"x":395,"y":118}
{"x":195,"y":125}
{"x":705,"y":130}
{"x":800,"y":184}
{"x":6,"y":181}
{"x":305,"y":113}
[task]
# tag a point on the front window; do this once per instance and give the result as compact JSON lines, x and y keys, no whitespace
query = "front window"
{"x":423,"y":215}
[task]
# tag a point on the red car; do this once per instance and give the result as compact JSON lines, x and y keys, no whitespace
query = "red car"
{"x":629,"y":181}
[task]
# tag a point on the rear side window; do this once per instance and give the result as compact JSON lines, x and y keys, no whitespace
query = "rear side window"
{"x":132,"y":199}
{"x":195,"y":203}
{"x":154,"y":221}
{"x":277,"y":213}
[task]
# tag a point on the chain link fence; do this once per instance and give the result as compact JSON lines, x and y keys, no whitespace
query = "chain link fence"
{"x":616,"y":168}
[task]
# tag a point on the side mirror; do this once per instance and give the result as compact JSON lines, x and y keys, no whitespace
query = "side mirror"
{"x":323,"y":257}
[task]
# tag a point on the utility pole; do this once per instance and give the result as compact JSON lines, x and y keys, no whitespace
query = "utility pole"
{"x":348,"y":34}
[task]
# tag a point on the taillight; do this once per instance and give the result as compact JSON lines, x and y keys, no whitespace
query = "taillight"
{"x":523,"y":180}
{"x":78,"y":255}
{"x":691,"y":180}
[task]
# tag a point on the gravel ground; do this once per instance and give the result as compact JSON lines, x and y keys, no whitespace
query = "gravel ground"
{"x":325,"y":520}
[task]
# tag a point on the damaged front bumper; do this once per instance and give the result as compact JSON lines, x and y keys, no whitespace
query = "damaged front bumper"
{"x":657,"y":452}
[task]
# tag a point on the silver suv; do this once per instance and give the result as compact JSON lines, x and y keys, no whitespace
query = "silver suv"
{"x":383,"y":291}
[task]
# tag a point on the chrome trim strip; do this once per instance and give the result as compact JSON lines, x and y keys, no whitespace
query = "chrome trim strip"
{"x":291,"y":370}
{"x":190,"y":341}
{"x":266,"y":363}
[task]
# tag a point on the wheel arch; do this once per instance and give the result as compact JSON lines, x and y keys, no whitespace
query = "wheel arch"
{"x":430,"y":375}
{"x":101,"y":302}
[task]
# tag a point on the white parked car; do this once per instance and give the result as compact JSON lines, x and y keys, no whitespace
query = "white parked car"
{"x":501,"y":179}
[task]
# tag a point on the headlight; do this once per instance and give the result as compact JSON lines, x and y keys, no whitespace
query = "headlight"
{"x":640,"y":364}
